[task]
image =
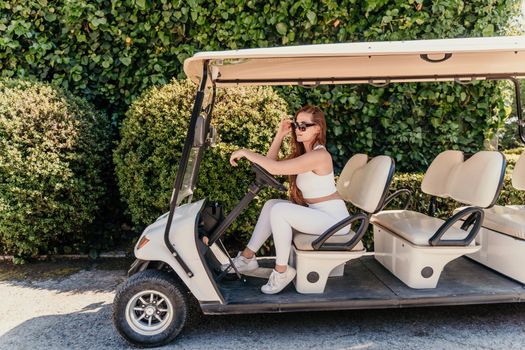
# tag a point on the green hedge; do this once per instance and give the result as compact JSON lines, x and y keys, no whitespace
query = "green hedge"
{"x":153,"y":135}
{"x":111,"y":51}
{"x":413,"y":123}
{"x":53,"y":152}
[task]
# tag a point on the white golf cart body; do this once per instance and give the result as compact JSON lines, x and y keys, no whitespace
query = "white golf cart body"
{"x":172,"y":242}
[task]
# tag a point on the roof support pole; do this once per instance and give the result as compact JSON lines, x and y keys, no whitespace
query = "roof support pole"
{"x":197,"y":107}
{"x":519,"y":110}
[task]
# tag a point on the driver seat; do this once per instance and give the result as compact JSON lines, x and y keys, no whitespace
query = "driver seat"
{"x":364,"y":183}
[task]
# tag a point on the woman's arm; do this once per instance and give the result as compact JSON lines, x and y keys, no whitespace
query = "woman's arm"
{"x":285,"y":126}
{"x":273,"y":152}
{"x":309,"y":161}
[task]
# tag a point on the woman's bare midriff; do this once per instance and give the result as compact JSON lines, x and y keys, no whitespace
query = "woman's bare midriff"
{"x":332,"y":196}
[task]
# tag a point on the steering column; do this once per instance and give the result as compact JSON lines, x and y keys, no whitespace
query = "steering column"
{"x":262,"y":178}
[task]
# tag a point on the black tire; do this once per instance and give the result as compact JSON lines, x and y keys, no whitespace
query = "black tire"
{"x":132,"y":326}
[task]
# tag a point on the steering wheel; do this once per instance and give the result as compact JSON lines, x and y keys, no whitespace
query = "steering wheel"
{"x":264,"y":177}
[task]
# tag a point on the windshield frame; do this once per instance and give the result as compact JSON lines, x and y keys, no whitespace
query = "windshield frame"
{"x":190,"y":173}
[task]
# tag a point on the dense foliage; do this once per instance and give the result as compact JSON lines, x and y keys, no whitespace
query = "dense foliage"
{"x":53,"y":152}
{"x":111,"y":51}
{"x":410,"y":122}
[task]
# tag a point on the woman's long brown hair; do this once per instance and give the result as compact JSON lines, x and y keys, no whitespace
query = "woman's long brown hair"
{"x":296,"y":195}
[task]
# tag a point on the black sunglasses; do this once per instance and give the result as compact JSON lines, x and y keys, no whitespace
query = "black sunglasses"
{"x":302,"y":126}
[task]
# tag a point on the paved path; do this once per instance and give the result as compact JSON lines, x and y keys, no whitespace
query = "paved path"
{"x":75,"y":313}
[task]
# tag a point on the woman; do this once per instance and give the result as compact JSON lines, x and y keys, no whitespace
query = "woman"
{"x":314,"y":204}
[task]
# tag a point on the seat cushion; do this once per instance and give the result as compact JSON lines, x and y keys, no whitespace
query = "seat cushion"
{"x":303,"y":241}
{"x":364,"y":183}
{"x":509,"y":220}
{"x":475,"y":181}
{"x":415,"y":227}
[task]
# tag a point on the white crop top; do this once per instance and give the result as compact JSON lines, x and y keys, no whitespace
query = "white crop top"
{"x":315,"y":186}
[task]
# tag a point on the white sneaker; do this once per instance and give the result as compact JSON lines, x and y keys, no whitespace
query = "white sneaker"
{"x":242,"y":264}
{"x":278,"y":281}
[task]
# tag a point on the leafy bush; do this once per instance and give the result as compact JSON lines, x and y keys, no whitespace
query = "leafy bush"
{"x":413,"y":123}
{"x":112,"y":51}
{"x":509,"y":135}
{"x":53,"y":150}
{"x":153,"y":135}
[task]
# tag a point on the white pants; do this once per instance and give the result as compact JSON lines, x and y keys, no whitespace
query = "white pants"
{"x":280,"y":216}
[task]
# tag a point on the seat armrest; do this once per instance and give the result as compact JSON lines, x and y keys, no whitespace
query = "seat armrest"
{"x":319,"y":243}
{"x":474,"y":219}
{"x":398,"y":193}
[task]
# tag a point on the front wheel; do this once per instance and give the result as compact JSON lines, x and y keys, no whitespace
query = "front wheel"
{"x":150,"y":309}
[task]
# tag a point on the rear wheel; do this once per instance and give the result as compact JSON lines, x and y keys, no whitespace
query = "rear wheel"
{"x":150,"y":309}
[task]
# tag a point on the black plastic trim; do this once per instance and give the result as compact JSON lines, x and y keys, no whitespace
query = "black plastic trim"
{"x":263,"y":177}
{"x":425,"y":57}
{"x":475,"y":218}
{"x":239,"y":208}
{"x":383,"y":84}
{"x":137,"y":266}
{"x":397,"y":194}
{"x":201,"y":249}
{"x":366,"y":79}
{"x":209,"y":111}
{"x":501,"y":181}
{"x":212,"y":308}
{"x":319,"y":243}
{"x":432,"y":206}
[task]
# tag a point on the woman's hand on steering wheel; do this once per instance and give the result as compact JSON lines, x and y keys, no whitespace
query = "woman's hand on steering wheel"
{"x":262,"y":174}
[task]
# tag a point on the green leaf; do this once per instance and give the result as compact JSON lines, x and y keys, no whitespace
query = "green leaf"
{"x":125,"y":60}
{"x":372,"y":98}
{"x":282,"y":28}
{"x":50,"y":17}
{"x":488,"y":30}
{"x":107,"y":62}
{"x":141,"y":3}
{"x":312,"y":17}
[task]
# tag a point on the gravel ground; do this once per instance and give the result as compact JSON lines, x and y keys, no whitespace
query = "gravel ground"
{"x":74,"y":312}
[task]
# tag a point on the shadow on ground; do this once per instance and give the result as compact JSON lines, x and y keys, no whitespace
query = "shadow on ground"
{"x":67,"y":276}
{"x":466,"y":327}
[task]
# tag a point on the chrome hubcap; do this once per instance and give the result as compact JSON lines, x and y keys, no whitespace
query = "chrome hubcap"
{"x":149,"y":312}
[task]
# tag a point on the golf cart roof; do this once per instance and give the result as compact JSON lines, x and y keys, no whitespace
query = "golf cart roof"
{"x":366,"y":62}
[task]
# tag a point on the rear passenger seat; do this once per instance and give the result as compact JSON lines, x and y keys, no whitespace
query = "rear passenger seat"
{"x":416,"y":247}
{"x":502,"y":236}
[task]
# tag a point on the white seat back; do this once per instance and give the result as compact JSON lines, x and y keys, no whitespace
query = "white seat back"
{"x":364,"y":183}
{"x":518,"y":175}
{"x":476,"y":181}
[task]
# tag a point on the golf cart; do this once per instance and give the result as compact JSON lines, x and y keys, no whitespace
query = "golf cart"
{"x":474,"y":257}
